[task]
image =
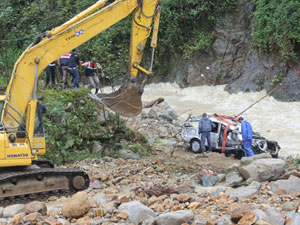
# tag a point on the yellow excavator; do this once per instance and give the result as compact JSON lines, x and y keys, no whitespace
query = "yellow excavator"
{"x":22,"y":138}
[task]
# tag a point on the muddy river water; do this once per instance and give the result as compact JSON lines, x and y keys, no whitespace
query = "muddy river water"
{"x":273,"y":119}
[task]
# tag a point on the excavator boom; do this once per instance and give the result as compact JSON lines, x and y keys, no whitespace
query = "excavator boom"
{"x":72,"y":34}
{"x":21,"y":142}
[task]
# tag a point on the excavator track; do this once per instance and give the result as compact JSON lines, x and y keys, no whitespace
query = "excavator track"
{"x":21,"y":185}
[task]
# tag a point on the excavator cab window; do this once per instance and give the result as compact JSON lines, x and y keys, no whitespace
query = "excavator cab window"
{"x":38,"y":122}
{"x":1,"y":109}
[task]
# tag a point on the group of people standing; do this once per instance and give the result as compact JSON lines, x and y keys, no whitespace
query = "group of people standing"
{"x":205,"y":127}
{"x":69,"y":63}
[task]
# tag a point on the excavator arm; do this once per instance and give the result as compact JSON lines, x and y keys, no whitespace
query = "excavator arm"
{"x":51,"y":45}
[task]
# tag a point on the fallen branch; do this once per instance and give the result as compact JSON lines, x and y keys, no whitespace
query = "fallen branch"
{"x":154,"y":102}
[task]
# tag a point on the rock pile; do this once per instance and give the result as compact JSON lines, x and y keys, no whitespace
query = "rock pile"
{"x":179,"y":190}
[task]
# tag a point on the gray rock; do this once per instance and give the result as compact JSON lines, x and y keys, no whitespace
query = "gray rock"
{"x":289,"y":206}
{"x":263,"y":170}
{"x":116,"y":180}
{"x":274,"y":217}
{"x":271,"y":216}
{"x":222,"y":178}
{"x":3,"y":221}
{"x":36,"y":206}
{"x":200,"y":189}
{"x":260,"y":215}
{"x":99,"y":221}
{"x":63,"y":221}
{"x":128,"y":154}
{"x":208,"y":181}
{"x":224,"y":220}
{"x":151,"y":140}
{"x":100,"y":198}
{"x":244,"y":192}
{"x":97,"y":148}
{"x":295,"y":220}
{"x":222,"y":47}
{"x":255,"y":157}
{"x":163,"y":132}
{"x":233,"y":179}
{"x":291,"y":215}
{"x":169,"y":114}
{"x":12,"y":210}
{"x":95,"y":185}
{"x":292,"y":185}
{"x":1,"y":211}
{"x":137,"y":212}
{"x":152,"y":113}
{"x":124,"y":182}
{"x":175,"y":218}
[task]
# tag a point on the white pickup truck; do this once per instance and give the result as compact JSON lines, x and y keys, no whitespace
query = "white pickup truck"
{"x":233,"y":143}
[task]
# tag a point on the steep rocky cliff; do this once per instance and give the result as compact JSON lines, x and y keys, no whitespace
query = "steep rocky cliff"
{"x":234,"y":62}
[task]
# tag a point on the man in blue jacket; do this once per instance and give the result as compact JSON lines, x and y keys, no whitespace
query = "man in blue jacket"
{"x":247,"y":136}
{"x":205,"y":126}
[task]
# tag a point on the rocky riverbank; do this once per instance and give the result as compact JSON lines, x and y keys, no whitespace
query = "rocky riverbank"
{"x":172,"y":186}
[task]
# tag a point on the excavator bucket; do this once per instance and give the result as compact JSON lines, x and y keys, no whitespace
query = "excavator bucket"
{"x":126,"y":101}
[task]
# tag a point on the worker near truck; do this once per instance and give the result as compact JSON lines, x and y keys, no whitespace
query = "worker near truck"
{"x":247,"y":135}
{"x":205,"y":126}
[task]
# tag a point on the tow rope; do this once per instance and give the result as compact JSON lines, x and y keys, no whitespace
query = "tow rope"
{"x":223,"y":119}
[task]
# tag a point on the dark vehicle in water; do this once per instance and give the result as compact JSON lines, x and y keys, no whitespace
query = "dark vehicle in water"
{"x":226,"y":137}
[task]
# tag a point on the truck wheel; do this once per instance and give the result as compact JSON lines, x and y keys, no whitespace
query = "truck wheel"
{"x":275,"y":156}
{"x":195,"y":146}
{"x":239,"y":154}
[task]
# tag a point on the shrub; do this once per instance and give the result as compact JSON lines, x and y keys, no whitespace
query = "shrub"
{"x":276,"y":27}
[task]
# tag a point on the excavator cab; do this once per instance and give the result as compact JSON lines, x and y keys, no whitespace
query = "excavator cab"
{"x":38,"y":140}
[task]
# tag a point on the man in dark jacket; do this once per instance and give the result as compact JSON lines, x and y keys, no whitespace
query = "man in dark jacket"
{"x":74,"y":61}
{"x":205,"y":126}
{"x":50,"y":74}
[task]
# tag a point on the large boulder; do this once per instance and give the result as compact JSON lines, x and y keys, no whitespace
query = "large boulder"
{"x":263,"y":170}
{"x":255,"y":157}
{"x":291,"y":186}
{"x":12,"y":210}
{"x":77,"y":206}
{"x":208,"y":181}
{"x":175,"y":218}
{"x":233,"y":179}
{"x":137,"y":212}
{"x":295,"y":220}
{"x":36,"y":206}
{"x":128,"y":154}
{"x":270,"y":216}
{"x":244,"y":192}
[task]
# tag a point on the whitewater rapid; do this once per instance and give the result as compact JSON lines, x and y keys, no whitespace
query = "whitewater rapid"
{"x":275,"y":120}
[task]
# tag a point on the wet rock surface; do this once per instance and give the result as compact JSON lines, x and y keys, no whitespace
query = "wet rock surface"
{"x":165,"y":188}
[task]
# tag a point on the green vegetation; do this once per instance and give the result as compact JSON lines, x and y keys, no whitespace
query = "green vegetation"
{"x":277,"y":79}
{"x":276,"y":27}
{"x":186,"y":27}
{"x":74,"y":123}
